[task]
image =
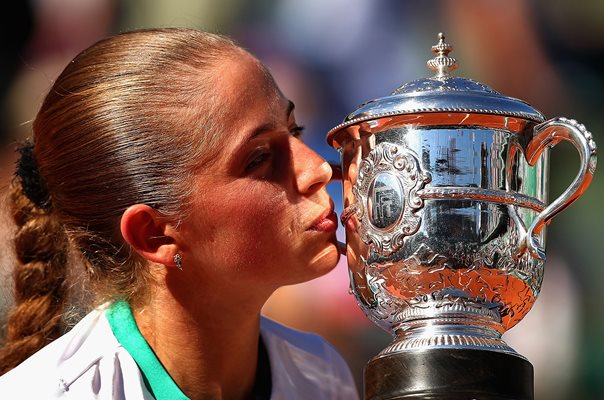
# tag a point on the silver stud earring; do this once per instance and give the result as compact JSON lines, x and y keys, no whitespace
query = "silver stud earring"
{"x":178,"y":261}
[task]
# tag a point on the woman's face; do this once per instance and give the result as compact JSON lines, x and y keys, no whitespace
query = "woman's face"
{"x":261,"y":214}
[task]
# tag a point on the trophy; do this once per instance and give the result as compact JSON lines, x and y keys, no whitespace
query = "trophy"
{"x":445,"y":186}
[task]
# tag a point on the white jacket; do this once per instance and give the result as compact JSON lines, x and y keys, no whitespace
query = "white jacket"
{"x":88,"y":362}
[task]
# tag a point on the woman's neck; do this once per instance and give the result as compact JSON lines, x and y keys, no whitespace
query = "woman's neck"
{"x":209,"y":346}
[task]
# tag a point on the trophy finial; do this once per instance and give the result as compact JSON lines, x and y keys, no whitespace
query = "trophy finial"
{"x":442,"y":64}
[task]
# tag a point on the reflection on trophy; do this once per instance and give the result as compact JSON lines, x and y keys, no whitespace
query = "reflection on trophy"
{"x":445,"y":207}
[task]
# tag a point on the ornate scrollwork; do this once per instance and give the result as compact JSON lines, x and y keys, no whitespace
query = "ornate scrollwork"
{"x":386,"y":191}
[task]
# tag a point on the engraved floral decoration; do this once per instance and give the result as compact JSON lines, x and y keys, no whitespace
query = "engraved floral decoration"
{"x":401,"y":165}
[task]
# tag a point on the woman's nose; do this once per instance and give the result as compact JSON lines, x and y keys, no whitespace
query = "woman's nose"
{"x":311,"y":171}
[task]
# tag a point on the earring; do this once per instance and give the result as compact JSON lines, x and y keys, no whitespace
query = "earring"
{"x":178,"y":261}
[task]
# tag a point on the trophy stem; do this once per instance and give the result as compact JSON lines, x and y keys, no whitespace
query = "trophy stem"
{"x":449,"y":323}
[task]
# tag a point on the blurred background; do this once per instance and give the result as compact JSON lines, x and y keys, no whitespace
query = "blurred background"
{"x":329,"y":57}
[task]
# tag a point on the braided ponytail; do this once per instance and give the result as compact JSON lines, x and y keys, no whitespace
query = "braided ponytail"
{"x":41,"y":248}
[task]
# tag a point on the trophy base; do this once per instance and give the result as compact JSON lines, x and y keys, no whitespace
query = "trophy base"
{"x":452,"y":374}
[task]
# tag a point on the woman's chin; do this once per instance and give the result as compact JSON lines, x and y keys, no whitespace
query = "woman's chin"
{"x":325,"y":260}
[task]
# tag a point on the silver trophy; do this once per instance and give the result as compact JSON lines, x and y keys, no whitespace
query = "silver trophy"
{"x":445,"y":187}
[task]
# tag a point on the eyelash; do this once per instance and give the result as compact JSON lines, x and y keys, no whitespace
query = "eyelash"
{"x":297,"y":131}
{"x":259,"y":159}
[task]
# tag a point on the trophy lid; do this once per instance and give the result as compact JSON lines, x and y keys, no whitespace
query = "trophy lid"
{"x":440,"y":93}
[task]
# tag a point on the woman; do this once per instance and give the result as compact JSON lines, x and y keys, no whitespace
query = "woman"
{"x":171,"y":162}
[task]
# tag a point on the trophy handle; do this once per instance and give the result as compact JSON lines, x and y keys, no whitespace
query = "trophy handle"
{"x":549,"y":134}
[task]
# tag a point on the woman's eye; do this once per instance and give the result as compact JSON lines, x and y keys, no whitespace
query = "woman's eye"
{"x":297,"y":131}
{"x":257,"y":161}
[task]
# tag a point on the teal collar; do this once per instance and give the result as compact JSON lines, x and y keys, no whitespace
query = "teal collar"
{"x":156,"y":378}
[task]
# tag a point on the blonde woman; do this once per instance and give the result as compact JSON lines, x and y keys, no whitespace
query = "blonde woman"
{"x":169,"y":161}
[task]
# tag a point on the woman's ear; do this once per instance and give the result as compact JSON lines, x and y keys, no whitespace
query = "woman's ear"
{"x":149,"y":234}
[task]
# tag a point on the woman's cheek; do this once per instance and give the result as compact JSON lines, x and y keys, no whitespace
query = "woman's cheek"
{"x":268,"y":208}
{"x":257,"y":230}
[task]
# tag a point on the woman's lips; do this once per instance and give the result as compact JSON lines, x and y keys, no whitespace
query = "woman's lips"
{"x":326,"y":223}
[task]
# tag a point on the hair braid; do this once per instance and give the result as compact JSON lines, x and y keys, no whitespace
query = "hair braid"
{"x":41,"y":248}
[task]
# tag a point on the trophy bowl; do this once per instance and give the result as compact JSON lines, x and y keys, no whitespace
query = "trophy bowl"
{"x":445,"y":190}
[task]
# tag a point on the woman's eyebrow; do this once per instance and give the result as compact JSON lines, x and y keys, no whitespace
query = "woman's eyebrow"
{"x":259,"y":130}
{"x":264,"y":128}
{"x":269,"y":126}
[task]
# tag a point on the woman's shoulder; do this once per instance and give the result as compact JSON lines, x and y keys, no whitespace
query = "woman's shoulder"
{"x":307,"y":341}
{"x":46,"y":371}
{"x":282,"y":340}
{"x":81,"y":364}
{"x":305,"y":360}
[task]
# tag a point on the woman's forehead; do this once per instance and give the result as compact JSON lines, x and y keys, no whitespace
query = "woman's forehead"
{"x":246,"y":99}
{"x":249,"y":91}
